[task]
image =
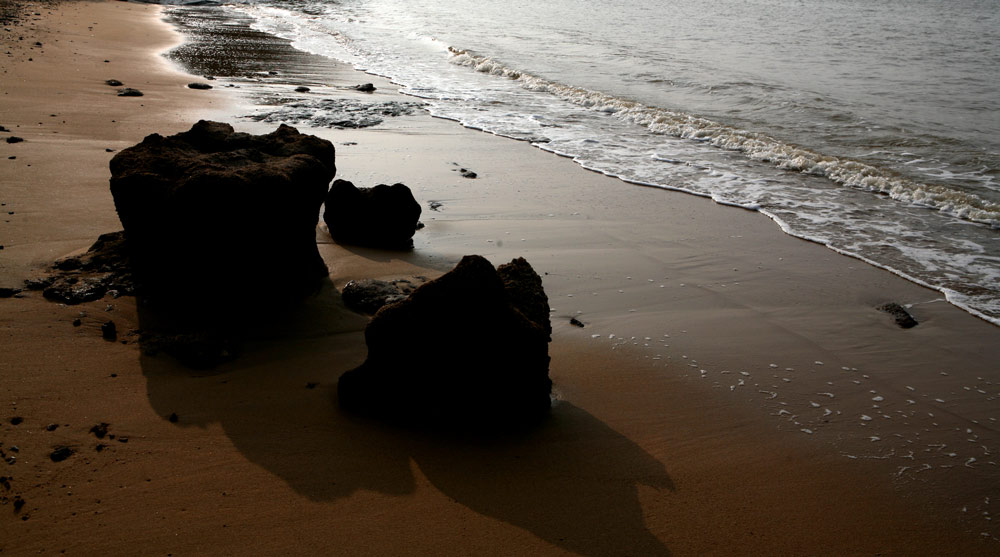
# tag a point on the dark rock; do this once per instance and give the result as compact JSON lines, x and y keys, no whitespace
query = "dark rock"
{"x":100,"y":447}
{"x":104,"y":267}
{"x":8,"y":292}
{"x":197,"y":85}
{"x":899,"y":314}
{"x":173,"y":418}
{"x":369,"y":295}
{"x":129,"y":92}
{"x":77,"y":322}
{"x":382,"y":216}
{"x":18,"y":503}
{"x":39,"y":283}
{"x":213,"y":216}
{"x":14,"y":139}
{"x":51,"y":427}
{"x":114,"y":83}
{"x":576,"y":322}
{"x":3,"y":129}
{"x":60,"y":454}
{"x":109,"y":331}
{"x":15,"y":449}
{"x":302,"y":89}
{"x":525,"y":292}
{"x":100,"y":430}
{"x":16,"y":420}
{"x":365,"y":88}
{"x":458,"y":353}
{"x":435,"y":205}
{"x":311,"y":385}
{"x":123,"y":439}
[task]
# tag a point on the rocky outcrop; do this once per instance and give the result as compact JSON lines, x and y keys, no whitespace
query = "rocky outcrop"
{"x":103,"y":269}
{"x":212,"y":215}
{"x":382,"y":216}
{"x":458,"y":352}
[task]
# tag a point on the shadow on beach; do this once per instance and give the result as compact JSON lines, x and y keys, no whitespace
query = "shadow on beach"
{"x":571,"y":480}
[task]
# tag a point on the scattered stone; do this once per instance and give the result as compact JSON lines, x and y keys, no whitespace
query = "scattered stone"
{"x":14,"y":139}
{"x":490,"y":368}
{"x":3,"y":129}
{"x":77,"y":322}
{"x":382,"y":216}
{"x":197,"y":85}
{"x":11,"y":460}
{"x":466,"y":173}
{"x":19,"y":503}
{"x":100,"y":430}
{"x":435,"y":205}
{"x":8,"y":292}
{"x":577,"y":322}
{"x":60,"y":454}
{"x":114,"y":83}
{"x":334,"y":113}
{"x":899,"y":314}
{"x":100,"y":447}
{"x":180,"y":199}
{"x":15,"y":449}
{"x":129,"y":92}
{"x":106,"y":150}
{"x":173,"y":417}
{"x":51,"y":427}
{"x":302,"y":89}
{"x":369,"y":295}
{"x":109,"y":331}
{"x":16,"y":420}
{"x":311,"y":385}
{"x":123,"y":439}
{"x":364,"y":88}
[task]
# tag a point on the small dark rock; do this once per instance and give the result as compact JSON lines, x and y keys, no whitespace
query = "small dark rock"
{"x":8,"y":292}
{"x":435,"y":205}
{"x":382,"y":216}
{"x":18,"y":503}
{"x":51,"y":427}
{"x":577,"y":322}
{"x":15,"y":449}
{"x":77,"y":322}
{"x":12,"y":157}
{"x":3,"y":129}
{"x":39,"y":283}
{"x":60,"y":454}
{"x":106,"y":150}
{"x":311,"y":385}
{"x":302,"y":89}
{"x":197,"y":85}
{"x":123,"y":439}
{"x":14,"y":139}
{"x":466,"y":173}
{"x":369,"y":295}
{"x":16,"y":420}
{"x":109,"y":331}
{"x":899,"y":314}
{"x":114,"y":83}
{"x":100,"y":447}
{"x":11,"y":460}
{"x":100,"y":430}
{"x":365,"y":88}
{"x":173,"y":418}
{"x":129,"y":92}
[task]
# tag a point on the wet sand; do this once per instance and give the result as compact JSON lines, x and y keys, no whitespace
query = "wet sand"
{"x":704,"y":407}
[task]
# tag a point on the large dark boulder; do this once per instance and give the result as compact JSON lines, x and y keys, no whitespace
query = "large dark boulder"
{"x":382,"y":216}
{"x":212,"y":216}
{"x":458,"y":352}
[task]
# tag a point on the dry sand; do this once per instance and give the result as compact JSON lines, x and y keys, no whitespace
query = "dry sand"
{"x":704,"y":408}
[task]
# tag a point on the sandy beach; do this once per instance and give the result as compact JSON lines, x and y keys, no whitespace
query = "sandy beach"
{"x":734,"y":391}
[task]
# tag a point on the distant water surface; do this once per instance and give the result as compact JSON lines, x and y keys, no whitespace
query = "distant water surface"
{"x":870,"y":127}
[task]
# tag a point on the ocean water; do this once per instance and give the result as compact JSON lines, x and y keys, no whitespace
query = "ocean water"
{"x":870,"y":127}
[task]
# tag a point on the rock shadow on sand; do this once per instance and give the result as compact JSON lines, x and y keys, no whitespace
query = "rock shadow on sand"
{"x":571,"y":480}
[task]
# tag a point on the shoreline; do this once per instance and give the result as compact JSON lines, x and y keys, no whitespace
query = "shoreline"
{"x":643,"y":452}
